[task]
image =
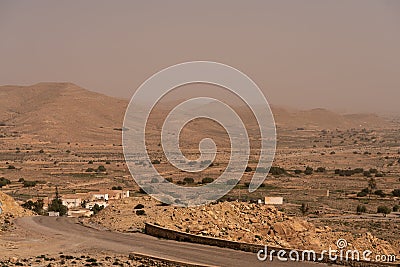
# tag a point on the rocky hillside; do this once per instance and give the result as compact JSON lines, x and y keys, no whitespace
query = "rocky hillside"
{"x":61,"y":112}
{"x":9,"y":210}
{"x":236,"y":221}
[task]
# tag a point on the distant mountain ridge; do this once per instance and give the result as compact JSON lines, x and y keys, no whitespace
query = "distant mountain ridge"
{"x":65,"y":112}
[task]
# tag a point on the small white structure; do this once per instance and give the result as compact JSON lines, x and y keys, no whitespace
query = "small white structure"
{"x":273,"y":200}
{"x":100,"y":196}
{"x":53,"y":214}
{"x":118,"y":194}
{"x":72,"y":203}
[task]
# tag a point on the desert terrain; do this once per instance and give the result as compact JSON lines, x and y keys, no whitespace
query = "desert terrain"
{"x":333,"y":171}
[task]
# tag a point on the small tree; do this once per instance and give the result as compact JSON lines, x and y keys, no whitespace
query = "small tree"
{"x":384,"y":210}
{"x":308,"y":171}
{"x":97,"y":208}
{"x":396,"y":192}
{"x":304,"y":208}
{"x":361,"y":209}
{"x":371,"y":185}
{"x":57,"y":206}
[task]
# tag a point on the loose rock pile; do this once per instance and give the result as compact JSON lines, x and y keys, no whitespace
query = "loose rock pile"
{"x":237,"y":221}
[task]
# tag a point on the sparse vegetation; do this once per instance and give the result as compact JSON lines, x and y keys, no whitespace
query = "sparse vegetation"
{"x":361,"y":209}
{"x":304,"y":208}
{"x":188,"y":180}
{"x":4,"y":182}
{"x":396,"y":192}
{"x":36,"y":206}
{"x":207,"y":180}
{"x":384,"y":210}
{"x":308,"y":171}
{"x":30,"y":183}
{"x":116,"y":188}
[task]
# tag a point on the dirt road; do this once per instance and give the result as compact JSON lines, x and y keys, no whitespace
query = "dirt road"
{"x":45,"y":235}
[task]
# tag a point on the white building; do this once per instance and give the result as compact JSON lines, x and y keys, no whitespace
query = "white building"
{"x":53,"y":214}
{"x":273,"y":200}
{"x":72,"y":203}
{"x":100,"y":196}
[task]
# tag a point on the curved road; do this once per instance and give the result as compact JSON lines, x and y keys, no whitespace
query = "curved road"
{"x":66,"y":234}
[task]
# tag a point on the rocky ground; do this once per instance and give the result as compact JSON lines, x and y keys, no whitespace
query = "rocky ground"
{"x":238,"y":221}
{"x":80,"y":260}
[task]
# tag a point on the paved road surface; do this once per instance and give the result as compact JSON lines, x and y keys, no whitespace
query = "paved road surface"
{"x":65,"y":234}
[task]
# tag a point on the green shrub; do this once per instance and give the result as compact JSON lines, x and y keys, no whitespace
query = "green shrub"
{"x":188,"y":180}
{"x":380,"y":193}
{"x":248,"y":169}
{"x":361,"y":209}
{"x":277,"y":171}
{"x":396,"y":192}
{"x":139,"y":207}
{"x":4,"y":182}
{"x":116,"y":188}
{"x":384,"y":210}
{"x":140,"y":212}
{"x":207,"y":180}
{"x":30,"y":183}
{"x":297,"y":171}
{"x":101,"y":168}
{"x":308,"y":171}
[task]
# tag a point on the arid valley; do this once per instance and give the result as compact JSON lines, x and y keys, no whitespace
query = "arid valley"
{"x":338,"y":176}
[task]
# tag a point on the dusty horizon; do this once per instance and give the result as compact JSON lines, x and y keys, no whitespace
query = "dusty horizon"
{"x":342,"y":56}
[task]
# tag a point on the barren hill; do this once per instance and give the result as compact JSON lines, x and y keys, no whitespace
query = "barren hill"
{"x":65,"y":112}
{"x":61,"y":112}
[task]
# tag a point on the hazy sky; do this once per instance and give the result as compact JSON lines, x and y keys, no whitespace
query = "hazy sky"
{"x":342,"y":55}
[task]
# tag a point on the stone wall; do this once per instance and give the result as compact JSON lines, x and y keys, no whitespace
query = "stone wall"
{"x":161,"y":232}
